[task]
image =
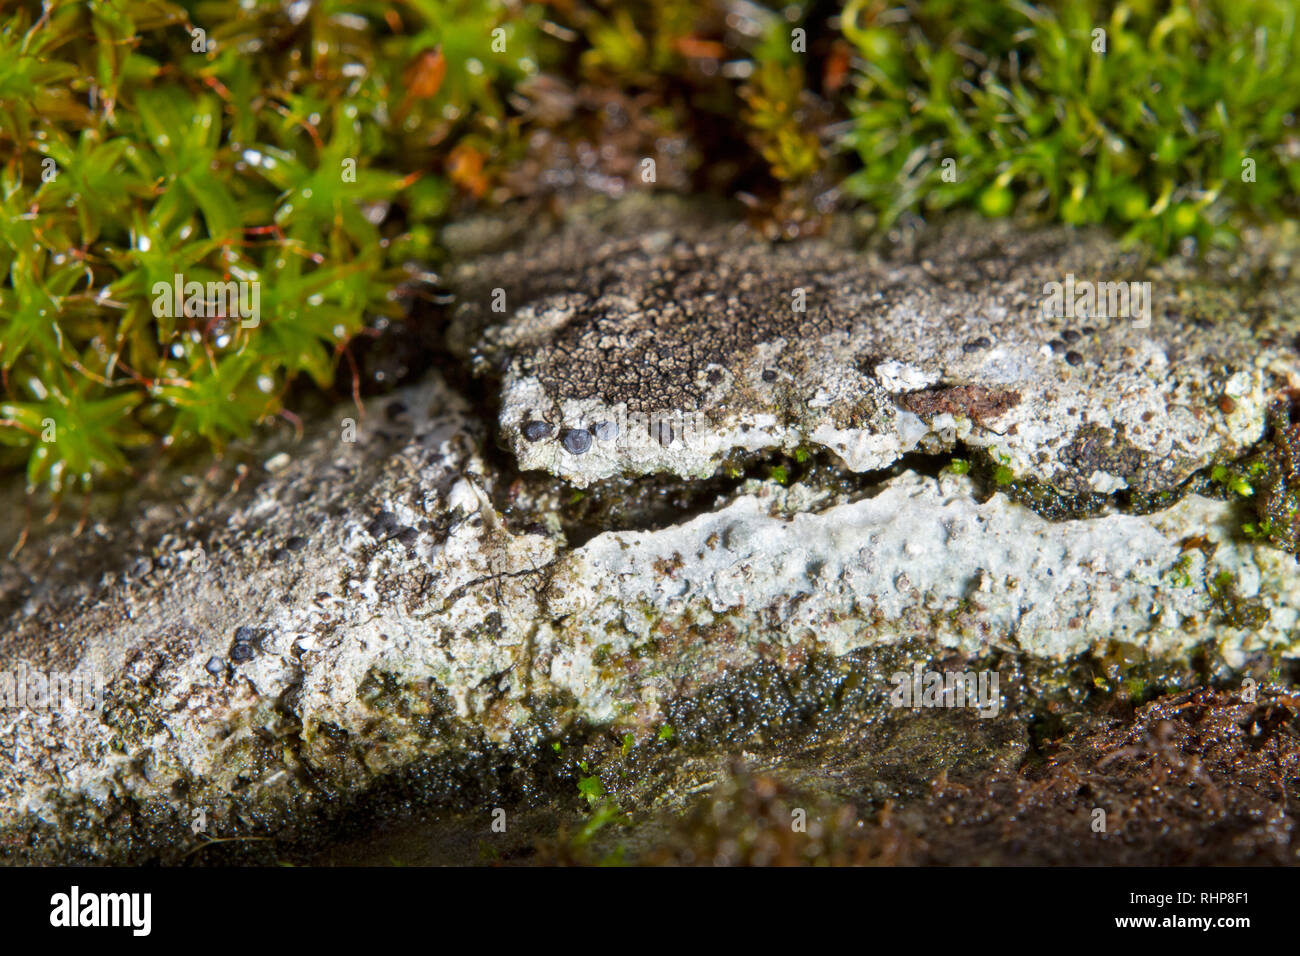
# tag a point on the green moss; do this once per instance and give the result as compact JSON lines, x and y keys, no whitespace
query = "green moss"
{"x":1231,"y":481}
{"x":591,"y":789}
{"x":775,"y":115}
{"x":1180,"y":575}
{"x":1166,"y":120}
{"x":605,"y":814}
{"x":220,"y":142}
{"x":1267,"y":481}
{"x":1237,"y":611}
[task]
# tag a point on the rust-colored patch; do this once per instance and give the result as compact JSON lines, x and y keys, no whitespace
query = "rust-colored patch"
{"x":977,"y":403}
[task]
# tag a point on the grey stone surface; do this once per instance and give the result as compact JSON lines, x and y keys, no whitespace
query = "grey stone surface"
{"x":685,"y":332}
{"x":410,"y":581}
{"x":314,"y":615}
{"x":233,"y":633}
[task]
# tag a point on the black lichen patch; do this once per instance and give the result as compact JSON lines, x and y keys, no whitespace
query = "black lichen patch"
{"x":536,"y":431}
{"x":655,"y":331}
{"x":1097,"y":448}
{"x":661,"y":345}
{"x":576,"y":441}
{"x":383,"y":525}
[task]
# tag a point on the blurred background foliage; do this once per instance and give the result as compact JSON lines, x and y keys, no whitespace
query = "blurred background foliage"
{"x":315,"y":147}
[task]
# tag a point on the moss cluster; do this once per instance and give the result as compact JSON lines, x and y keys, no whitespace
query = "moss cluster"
{"x":1168,"y":120}
{"x":282,"y":148}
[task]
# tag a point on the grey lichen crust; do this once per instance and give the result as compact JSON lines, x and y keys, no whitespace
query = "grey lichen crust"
{"x":365,"y":606}
{"x":676,"y":345}
{"x":243,"y":642}
{"x":922,"y":556}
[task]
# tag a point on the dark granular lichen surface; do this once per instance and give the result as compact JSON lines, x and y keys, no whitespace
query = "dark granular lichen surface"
{"x":835,"y":345}
{"x":652,"y":336}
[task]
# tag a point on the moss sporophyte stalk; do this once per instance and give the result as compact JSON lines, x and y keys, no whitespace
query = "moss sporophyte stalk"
{"x":298,"y":161}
